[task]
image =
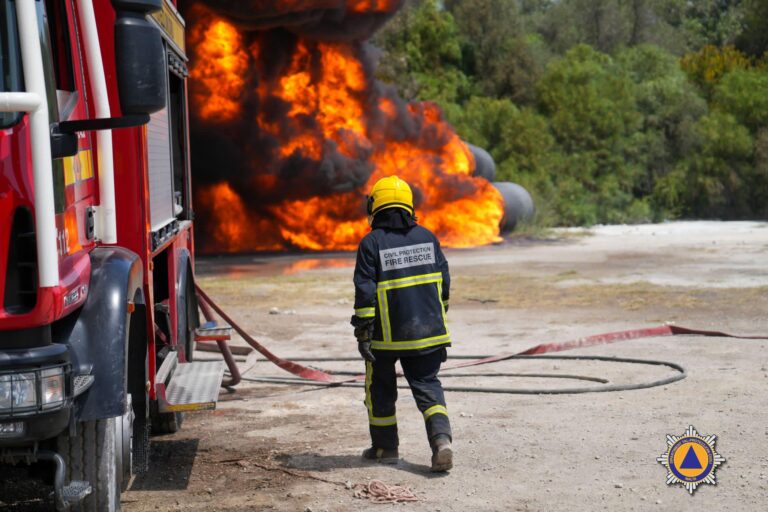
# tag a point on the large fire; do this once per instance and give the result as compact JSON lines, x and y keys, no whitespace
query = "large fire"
{"x":304,"y":131}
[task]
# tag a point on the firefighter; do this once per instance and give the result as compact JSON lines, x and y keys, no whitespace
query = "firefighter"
{"x":401,"y":298}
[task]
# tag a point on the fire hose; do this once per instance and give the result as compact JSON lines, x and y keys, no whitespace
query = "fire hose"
{"x":317,"y":377}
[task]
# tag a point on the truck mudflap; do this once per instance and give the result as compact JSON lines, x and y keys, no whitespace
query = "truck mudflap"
{"x":97,"y":334}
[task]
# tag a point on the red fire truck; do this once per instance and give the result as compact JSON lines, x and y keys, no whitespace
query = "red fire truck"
{"x":98,"y":312}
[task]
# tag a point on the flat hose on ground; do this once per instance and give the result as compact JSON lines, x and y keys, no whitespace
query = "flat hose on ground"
{"x":308,"y":375}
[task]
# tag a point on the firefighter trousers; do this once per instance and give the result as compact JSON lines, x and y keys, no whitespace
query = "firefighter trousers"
{"x":381,"y":394}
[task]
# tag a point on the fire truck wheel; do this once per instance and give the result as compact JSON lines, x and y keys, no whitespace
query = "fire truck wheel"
{"x":124,"y":444}
{"x":93,"y":455}
{"x":191,"y":321}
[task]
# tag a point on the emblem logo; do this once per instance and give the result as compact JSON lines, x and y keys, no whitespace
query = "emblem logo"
{"x":691,"y":459}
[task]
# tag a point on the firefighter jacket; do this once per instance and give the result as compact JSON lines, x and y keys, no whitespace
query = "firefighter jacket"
{"x":402,"y":286}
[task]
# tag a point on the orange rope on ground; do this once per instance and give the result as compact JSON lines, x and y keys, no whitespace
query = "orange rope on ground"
{"x":378,"y":492}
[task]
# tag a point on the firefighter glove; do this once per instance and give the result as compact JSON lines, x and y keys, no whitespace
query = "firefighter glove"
{"x":364,"y":347}
{"x":363,"y":328}
{"x":363,"y":333}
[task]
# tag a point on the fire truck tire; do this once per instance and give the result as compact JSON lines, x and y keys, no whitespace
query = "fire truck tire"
{"x":187,"y":315}
{"x":124,"y":436}
{"x":92,"y":455}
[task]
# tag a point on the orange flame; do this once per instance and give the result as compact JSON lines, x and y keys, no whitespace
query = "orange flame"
{"x":219,"y":77}
{"x":331,"y":106}
{"x":234,"y":230}
{"x":360,"y":6}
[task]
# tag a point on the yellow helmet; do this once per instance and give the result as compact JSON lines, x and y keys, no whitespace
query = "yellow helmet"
{"x":390,"y":192}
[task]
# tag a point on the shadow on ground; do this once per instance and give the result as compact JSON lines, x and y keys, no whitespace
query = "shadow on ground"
{"x":177,"y":454}
{"x":321,"y":463}
{"x":24,"y":488}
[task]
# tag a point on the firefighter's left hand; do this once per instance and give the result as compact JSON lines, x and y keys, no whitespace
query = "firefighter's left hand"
{"x":364,"y":347}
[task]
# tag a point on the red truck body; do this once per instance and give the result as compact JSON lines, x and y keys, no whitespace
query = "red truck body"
{"x":81,"y":353}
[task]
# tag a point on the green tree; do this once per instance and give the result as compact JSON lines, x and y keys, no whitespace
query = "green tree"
{"x":481,"y":119}
{"x":760,"y":177}
{"x":592,"y":110}
{"x":753,"y":39}
{"x":602,"y":24}
{"x":423,"y":55}
{"x":503,"y":60}
{"x":706,"y":66}
{"x":610,"y":25}
{"x":744,"y":93}
{"x":711,"y":22}
{"x":716,"y":178}
{"x":589,"y":101}
{"x":670,"y":107}
{"x":520,"y":141}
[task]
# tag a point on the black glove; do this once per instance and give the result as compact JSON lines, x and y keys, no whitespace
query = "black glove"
{"x":445,"y":305}
{"x":364,"y":333}
{"x":364,"y":347}
{"x":363,"y":328}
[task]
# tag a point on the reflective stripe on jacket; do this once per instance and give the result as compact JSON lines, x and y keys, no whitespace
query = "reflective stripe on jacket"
{"x":402,"y":282}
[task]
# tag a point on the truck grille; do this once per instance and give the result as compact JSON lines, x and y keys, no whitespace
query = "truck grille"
{"x":21,"y":274}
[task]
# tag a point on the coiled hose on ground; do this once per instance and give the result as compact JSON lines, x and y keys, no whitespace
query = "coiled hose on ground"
{"x":317,"y":377}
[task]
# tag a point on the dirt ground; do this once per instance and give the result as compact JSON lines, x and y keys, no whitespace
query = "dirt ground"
{"x":286,"y":447}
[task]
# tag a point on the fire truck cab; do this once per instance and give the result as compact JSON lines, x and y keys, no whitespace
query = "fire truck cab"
{"x":98,"y":310}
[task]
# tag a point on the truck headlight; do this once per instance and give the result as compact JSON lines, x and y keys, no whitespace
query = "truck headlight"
{"x":24,"y":391}
{"x":35,"y":390}
{"x":52,"y":388}
{"x":18,"y":391}
{"x":5,"y":392}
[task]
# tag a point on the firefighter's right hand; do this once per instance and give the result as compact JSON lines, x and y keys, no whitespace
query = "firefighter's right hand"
{"x":363,"y":328}
{"x":364,"y":347}
{"x":363,"y":333}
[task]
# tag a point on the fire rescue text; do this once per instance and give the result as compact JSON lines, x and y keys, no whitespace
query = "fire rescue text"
{"x":408,"y":256}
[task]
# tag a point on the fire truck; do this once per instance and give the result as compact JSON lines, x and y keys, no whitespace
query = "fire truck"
{"x":98,"y":311}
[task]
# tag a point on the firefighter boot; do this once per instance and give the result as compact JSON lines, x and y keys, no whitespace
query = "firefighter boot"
{"x":383,"y":455}
{"x":442,"y":454}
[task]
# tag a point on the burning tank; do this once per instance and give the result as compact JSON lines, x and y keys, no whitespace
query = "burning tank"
{"x":518,"y":203}
{"x":290,"y":128}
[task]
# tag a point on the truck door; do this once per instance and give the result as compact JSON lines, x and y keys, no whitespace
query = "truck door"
{"x":74,"y":186}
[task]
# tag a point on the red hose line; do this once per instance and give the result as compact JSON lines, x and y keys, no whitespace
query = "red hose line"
{"x":234,"y":370}
{"x":543,"y":348}
{"x":289,"y":366}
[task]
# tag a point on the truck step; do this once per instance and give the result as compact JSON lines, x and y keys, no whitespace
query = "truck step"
{"x":75,"y":492}
{"x":188,"y":386}
{"x":212,"y":332}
